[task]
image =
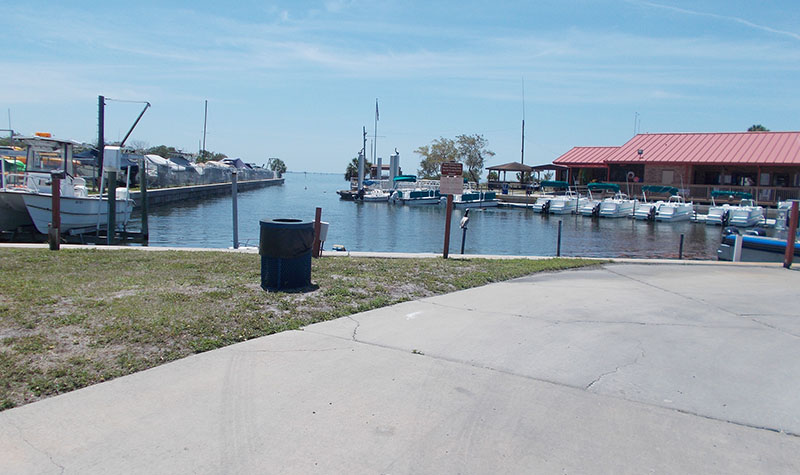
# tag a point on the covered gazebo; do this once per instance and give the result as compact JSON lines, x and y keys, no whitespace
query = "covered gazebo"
{"x":510,"y":167}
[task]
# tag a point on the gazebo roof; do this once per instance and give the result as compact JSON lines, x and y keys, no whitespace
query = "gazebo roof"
{"x":511,"y":167}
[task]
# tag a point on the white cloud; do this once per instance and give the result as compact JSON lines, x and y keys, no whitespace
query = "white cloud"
{"x":741,"y":21}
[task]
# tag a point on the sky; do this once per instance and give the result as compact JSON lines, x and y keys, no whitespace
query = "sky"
{"x":298,"y":80}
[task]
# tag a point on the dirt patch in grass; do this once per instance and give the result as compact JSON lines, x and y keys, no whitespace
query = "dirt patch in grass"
{"x":73,"y":318}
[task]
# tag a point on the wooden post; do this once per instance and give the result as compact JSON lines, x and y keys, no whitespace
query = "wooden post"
{"x":54,"y":233}
{"x":143,"y":189}
{"x":792,"y":236}
{"x":112,"y":207}
{"x":680,"y":248}
{"x":317,"y":227}
{"x":558,"y":244}
{"x":447,"y":219}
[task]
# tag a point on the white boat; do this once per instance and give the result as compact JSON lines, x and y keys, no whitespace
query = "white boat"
{"x":618,"y":206}
{"x":594,"y":202}
{"x":566,"y":203}
{"x":408,"y":191}
{"x":475,"y":199}
{"x":648,"y":210}
{"x":745,"y":214}
{"x":376,"y":196}
{"x":79,"y":211}
{"x":674,"y":209}
{"x":416,"y":196}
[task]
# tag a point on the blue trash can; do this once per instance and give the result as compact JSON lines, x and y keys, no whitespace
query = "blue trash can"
{"x":285,"y":249}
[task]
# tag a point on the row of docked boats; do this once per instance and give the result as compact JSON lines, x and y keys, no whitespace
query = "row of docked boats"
{"x":605,"y":200}
{"x":407,"y":190}
{"x":26,"y":196}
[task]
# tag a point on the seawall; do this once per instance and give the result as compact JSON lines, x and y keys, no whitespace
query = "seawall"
{"x":160,"y":196}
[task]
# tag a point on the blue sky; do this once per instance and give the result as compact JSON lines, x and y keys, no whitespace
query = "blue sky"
{"x":298,"y":80}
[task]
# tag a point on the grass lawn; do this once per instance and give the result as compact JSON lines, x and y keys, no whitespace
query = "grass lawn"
{"x":72,"y":318}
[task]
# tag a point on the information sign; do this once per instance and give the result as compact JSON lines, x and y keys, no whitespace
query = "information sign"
{"x":452,"y":169}
{"x":451,"y":185}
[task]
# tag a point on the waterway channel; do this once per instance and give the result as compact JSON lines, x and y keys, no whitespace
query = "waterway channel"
{"x":207,"y":223}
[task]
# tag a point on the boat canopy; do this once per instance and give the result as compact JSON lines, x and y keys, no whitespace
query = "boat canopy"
{"x":411,"y":178}
{"x":743,"y":195}
{"x":554,"y":184}
{"x":604,"y":186}
{"x":660,"y":189}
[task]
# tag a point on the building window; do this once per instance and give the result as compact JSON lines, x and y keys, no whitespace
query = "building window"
{"x":667,"y":177}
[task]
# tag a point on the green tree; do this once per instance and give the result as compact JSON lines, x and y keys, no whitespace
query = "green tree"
{"x":757,"y":128}
{"x":161,"y":151}
{"x":277,"y":165}
{"x":524,"y":177}
{"x":206,"y":156}
{"x":493,"y":176}
{"x":472,"y":152}
{"x":352,"y":169}
{"x":439,"y":151}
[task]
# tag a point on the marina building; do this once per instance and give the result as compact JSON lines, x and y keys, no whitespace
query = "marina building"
{"x":765,"y":164}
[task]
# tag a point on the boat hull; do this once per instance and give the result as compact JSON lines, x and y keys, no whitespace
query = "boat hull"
{"x":616,"y":209}
{"x":77,"y":213}
{"x":475,"y":204}
{"x":13,"y":213}
{"x":755,"y":249}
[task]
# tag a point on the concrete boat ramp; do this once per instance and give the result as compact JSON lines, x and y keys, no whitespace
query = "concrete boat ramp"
{"x":625,"y":368}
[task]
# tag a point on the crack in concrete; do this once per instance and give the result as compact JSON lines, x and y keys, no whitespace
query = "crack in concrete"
{"x":773,"y":327}
{"x":616,"y":370}
{"x":355,"y":330}
{"x":473,"y":364}
{"x":37,"y":449}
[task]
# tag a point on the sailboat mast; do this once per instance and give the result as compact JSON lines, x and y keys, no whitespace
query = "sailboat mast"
{"x":522,"y":158}
{"x":205,"y":123}
{"x":375,"y":136}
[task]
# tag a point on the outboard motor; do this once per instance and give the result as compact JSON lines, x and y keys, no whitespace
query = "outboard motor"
{"x":730,"y":230}
{"x":596,"y":210}
{"x":546,"y":208}
{"x":651,"y":215}
{"x":726,"y":217}
{"x":757,"y":232}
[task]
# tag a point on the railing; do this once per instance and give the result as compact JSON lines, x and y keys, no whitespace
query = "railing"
{"x":764,"y":195}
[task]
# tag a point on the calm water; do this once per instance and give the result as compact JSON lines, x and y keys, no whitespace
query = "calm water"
{"x":386,"y":227}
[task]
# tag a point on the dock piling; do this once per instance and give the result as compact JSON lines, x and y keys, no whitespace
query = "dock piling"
{"x":680,"y":248}
{"x":558,"y":243}
{"x":791,"y":237}
{"x":235,"y":195}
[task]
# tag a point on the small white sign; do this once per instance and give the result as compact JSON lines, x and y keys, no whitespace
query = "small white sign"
{"x":451,"y":185}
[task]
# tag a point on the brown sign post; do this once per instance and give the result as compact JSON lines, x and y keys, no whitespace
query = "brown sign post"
{"x":792,"y":236}
{"x":449,"y":169}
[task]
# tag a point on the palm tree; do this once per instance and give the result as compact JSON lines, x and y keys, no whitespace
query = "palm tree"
{"x":757,"y":128}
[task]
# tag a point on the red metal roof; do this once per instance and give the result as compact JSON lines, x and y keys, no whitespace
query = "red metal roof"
{"x":732,"y":148}
{"x":586,"y":156}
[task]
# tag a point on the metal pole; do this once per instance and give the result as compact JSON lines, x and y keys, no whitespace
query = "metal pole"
{"x":317,"y":225}
{"x":101,"y":141}
{"x":235,"y":194}
{"x":448,"y":215}
{"x":680,"y":249}
{"x":463,"y":238}
{"x":558,"y":245}
{"x":792,"y":236}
